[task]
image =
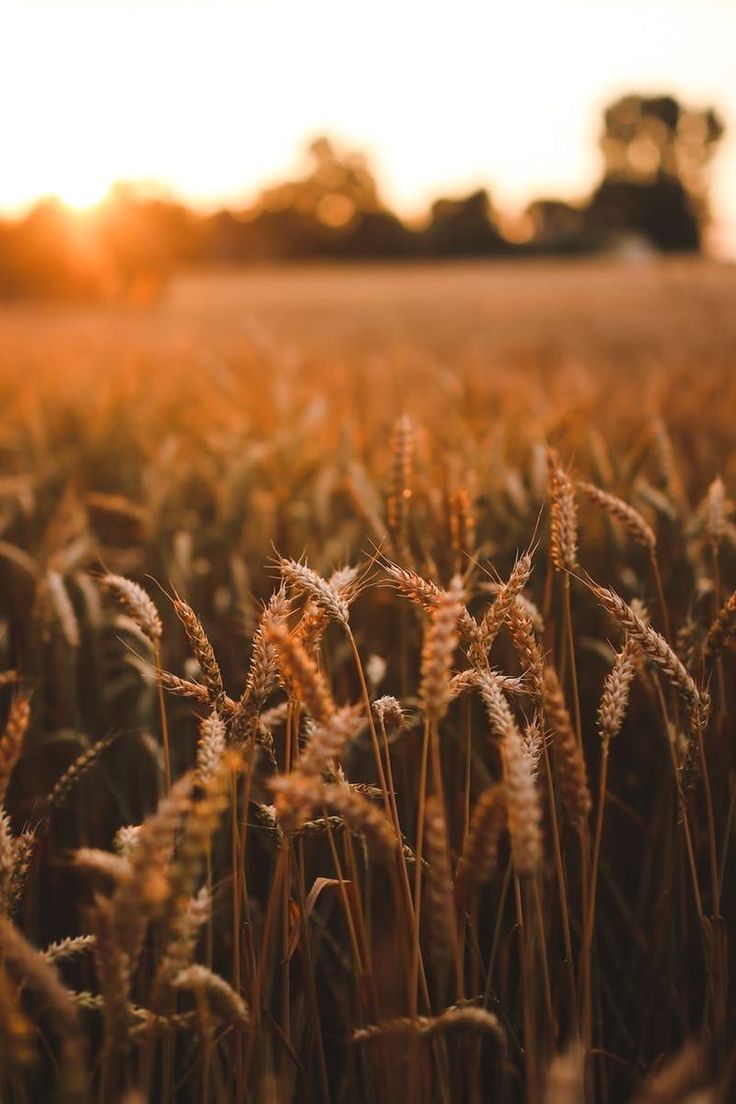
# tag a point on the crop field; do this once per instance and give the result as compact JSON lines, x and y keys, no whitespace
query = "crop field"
{"x":367,"y":673}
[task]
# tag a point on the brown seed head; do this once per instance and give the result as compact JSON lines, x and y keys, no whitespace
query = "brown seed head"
{"x":138,"y":604}
{"x":564,"y":525}
{"x":301,"y":674}
{"x":11,"y":741}
{"x":567,"y":751}
{"x":440,"y":642}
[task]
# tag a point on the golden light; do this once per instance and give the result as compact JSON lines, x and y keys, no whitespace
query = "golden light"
{"x":79,"y":180}
{"x":83,"y":191}
{"x":216,"y":98}
{"x":335,"y":211}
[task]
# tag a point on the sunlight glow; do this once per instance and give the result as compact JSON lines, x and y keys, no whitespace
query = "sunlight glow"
{"x":81,"y":190}
{"x":215,"y":99}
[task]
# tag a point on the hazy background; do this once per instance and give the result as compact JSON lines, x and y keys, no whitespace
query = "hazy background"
{"x":216,"y":99}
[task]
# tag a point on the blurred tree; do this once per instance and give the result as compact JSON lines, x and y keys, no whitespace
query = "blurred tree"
{"x":656,"y":153}
{"x":333,"y":209}
{"x":125,"y":248}
{"x":661,"y":212}
{"x":464,"y":227}
{"x":556,"y":226}
{"x":379,"y":234}
{"x":336,"y":187}
{"x":142,"y":239}
{"x":648,"y":137}
{"x":49,"y":252}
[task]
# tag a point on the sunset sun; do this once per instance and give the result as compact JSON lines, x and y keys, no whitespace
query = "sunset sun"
{"x":83,"y":190}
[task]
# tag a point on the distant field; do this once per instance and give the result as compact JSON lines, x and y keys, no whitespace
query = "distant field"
{"x":506,"y":306}
{"x":415,"y":330}
{"x":454,"y":822}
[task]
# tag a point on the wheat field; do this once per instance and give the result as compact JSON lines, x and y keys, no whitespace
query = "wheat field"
{"x":367,"y":680}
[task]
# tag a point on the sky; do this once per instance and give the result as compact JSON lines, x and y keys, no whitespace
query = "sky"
{"x":215,"y":98}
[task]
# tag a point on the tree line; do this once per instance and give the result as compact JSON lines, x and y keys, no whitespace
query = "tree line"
{"x":652,"y":194}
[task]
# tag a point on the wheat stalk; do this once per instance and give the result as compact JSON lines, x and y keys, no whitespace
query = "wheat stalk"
{"x":615,"y":695}
{"x":440,"y":642}
{"x":720,"y":632}
{"x":519,"y":760}
{"x":301,"y":674}
{"x":440,"y":910}
{"x":137,"y":603}
{"x":11,"y":741}
{"x":31,"y":967}
{"x":328,"y":598}
{"x":564,"y":526}
{"x":400,"y":486}
{"x":568,"y":753}
{"x":616,"y":508}
{"x":463,"y":1019}
{"x":203,"y":652}
{"x":504,"y":602}
{"x":480,"y":853}
{"x":660,"y":653}
{"x":527,"y":649}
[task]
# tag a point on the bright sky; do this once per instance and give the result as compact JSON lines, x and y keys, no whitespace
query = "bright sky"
{"x":216,"y":97}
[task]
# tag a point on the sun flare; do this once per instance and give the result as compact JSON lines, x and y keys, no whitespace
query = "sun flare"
{"x":83,"y":192}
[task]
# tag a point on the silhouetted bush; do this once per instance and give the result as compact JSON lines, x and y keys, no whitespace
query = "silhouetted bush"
{"x":464,"y":228}
{"x":661,"y":212}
